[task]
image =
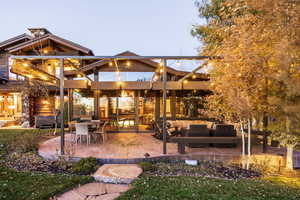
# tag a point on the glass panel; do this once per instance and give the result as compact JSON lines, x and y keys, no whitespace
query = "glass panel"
{"x":83,"y":107}
{"x":187,"y":107}
{"x":10,"y":105}
{"x":168,"y":107}
{"x":146,"y":110}
{"x":103,"y":107}
{"x":125,"y":76}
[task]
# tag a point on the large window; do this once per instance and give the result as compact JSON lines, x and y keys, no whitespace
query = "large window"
{"x":10,"y":105}
{"x":83,"y":107}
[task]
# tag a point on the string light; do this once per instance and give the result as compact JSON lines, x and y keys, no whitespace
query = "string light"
{"x":45,"y":51}
{"x":185,"y":81}
{"x":194,"y":76}
{"x":128,"y":63}
{"x":25,"y":64}
{"x":78,"y":75}
{"x":110,"y":63}
{"x":161,"y":70}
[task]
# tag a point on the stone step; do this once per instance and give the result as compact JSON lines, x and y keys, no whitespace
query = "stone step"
{"x":117,"y":173}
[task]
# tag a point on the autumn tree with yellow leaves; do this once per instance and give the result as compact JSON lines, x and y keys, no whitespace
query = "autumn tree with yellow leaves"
{"x":259,"y":75}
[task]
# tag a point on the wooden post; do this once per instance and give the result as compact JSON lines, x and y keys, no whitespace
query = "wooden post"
{"x":164,"y":106}
{"x":62,"y":121}
{"x":136,"y":104}
{"x":96,"y":96}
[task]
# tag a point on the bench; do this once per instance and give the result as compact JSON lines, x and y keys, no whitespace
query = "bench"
{"x":183,"y":141}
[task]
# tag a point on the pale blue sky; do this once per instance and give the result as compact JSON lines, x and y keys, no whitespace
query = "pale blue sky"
{"x":108,"y":27}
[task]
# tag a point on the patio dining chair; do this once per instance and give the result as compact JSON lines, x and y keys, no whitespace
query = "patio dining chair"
{"x":102,"y":132}
{"x":82,"y":130}
{"x":72,"y":130}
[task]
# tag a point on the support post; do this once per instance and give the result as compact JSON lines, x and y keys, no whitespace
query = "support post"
{"x":164,"y":62}
{"x":62,"y":121}
{"x":136,"y":104}
{"x":96,"y":97}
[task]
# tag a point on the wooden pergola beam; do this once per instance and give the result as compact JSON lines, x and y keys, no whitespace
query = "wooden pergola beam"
{"x":193,"y":72}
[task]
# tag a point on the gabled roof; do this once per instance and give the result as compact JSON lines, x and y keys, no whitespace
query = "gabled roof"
{"x":54,"y":38}
{"x":150,"y":63}
{"x":15,"y":39}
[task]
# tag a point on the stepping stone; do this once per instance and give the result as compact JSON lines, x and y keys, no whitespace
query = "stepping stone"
{"x":71,"y":195}
{"x":92,"y":189}
{"x":117,"y":173}
{"x":104,"y":197}
{"x":116,"y":188}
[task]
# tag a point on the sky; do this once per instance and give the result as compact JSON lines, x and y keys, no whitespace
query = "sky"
{"x":108,"y":27}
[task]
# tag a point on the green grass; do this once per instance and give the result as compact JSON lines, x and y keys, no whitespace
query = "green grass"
{"x":152,"y":187}
{"x":35,"y":186}
{"x":31,"y":185}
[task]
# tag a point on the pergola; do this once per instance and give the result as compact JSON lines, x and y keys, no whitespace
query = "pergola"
{"x":61,"y":59}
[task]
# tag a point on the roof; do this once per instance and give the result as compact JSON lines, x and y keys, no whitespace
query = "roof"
{"x":15,"y":39}
{"x":54,"y":38}
{"x":150,"y":63}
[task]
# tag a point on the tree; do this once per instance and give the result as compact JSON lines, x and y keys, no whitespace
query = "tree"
{"x":260,"y":44}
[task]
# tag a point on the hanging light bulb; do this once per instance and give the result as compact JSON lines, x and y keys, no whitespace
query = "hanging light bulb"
{"x":185,"y":81}
{"x":78,"y":75}
{"x":128,"y":63}
{"x":194,"y":76}
{"x":25,"y":64}
{"x":161,"y":70}
{"x":110,"y":63}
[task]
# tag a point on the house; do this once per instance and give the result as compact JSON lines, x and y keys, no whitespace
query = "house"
{"x":128,"y":92}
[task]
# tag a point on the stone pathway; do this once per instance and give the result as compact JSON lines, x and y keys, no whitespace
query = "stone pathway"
{"x":115,"y":180}
{"x":94,"y":191}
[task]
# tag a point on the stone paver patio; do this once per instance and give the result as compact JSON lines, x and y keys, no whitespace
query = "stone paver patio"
{"x":118,"y":145}
{"x":136,"y":145}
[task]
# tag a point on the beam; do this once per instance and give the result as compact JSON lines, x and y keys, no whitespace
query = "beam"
{"x":192,"y":72}
{"x":62,"y":121}
{"x":120,"y":57}
{"x":164,"y":106}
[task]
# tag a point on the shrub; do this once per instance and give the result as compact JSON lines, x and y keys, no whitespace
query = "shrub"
{"x":147,"y":166}
{"x":25,"y":142}
{"x":85,"y":166}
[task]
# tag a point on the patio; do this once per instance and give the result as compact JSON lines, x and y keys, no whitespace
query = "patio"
{"x":136,"y":145}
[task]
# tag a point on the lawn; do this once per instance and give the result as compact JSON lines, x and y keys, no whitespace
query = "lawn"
{"x":185,"y":187}
{"x":35,"y":186}
{"x":16,"y":185}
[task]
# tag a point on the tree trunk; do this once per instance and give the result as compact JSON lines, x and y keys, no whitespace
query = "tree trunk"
{"x":265,"y":132}
{"x":243,"y":140}
{"x":289,"y":157}
{"x":249,"y":137}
